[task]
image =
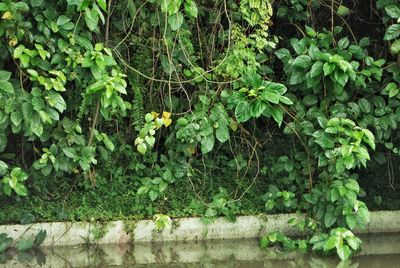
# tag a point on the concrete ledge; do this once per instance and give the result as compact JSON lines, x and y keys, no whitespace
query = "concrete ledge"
{"x":185,"y":229}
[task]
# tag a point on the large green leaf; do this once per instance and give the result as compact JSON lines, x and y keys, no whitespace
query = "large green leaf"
{"x":4,"y":75}
{"x":55,"y":100}
{"x":302,"y":61}
{"x":393,"y":11}
{"x":351,"y":221}
{"x":175,"y":21}
{"x":392,"y":32}
{"x":207,"y":144}
{"x":6,"y":87}
{"x":191,"y":8}
{"x":243,"y":112}
{"x":395,"y":47}
{"x":316,"y":69}
{"x":91,"y":19}
{"x":222,"y":133}
{"x":277,"y":114}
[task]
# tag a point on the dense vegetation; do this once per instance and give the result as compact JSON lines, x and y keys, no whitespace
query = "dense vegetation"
{"x":127,"y":109}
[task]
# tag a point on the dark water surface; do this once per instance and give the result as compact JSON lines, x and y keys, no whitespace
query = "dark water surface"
{"x":378,"y":251}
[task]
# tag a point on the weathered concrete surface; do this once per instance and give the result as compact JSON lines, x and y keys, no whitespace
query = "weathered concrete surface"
{"x":383,"y":222}
{"x":185,"y":229}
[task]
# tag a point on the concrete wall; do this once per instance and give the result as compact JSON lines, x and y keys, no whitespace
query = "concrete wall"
{"x":185,"y":229}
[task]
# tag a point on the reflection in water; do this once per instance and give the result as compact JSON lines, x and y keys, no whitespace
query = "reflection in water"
{"x":378,"y":251}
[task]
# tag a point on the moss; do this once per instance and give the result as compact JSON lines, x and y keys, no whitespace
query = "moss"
{"x":99,"y":230}
{"x":130,"y":224}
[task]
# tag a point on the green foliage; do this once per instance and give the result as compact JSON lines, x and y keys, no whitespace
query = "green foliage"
{"x":161,"y":222}
{"x":277,"y":238}
{"x":250,"y":121}
{"x":339,"y":240}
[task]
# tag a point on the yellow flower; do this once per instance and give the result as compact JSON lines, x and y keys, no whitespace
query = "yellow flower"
{"x":7,"y":15}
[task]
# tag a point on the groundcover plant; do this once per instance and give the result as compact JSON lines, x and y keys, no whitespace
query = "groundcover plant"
{"x":118,"y":109}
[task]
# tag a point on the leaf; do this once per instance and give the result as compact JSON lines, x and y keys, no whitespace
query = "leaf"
{"x":150,"y":140}
{"x":354,"y":242}
{"x":392,"y":32}
{"x":283,"y":54}
{"x":341,"y":77}
{"x":62,"y":20}
{"x":393,"y":11}
{"x":153,"y":195}
{"x":302,"y":61}
{"x":277,"y":114}
{"x":243,"y":112}
{"x":5,"y":242}
{"x":364,"y":215}
{"x":270,"y":96}
{"x":27,"y":218}
{"x":391,"y":89}
{"x":84,"y":43}
{"x":37,"y":3}
{"x":343,"y":11}
{"x":365,"y":106}
{"x":316,"y":69}
{"x":351,"y":221}
{"x":25,"y":244}
{"x":6,"y":87}
{"x":343,"y":252}
{"x":328,"y":68}
{"x":222,"y":133}
{"x":142,"y":148}
{"x":191,"y":8}
{"x":102,"y":4}
{"x":329,"y":219}
{"x":258,"y":108}
{"x":91,"y":19}
{"x":264,"y":242}
{"x":344,"y":43}
{"x":3,"y":168}
{"x":310,"y":100}
{"x":270,"y":204}
{"x":395,"y":47}
{"x":5,"y":75}
{"x":20,"y":189}
{"x":70,"y":152}
{"x":16,"y":118}
{"x":54,"y":99}
{"x":369,"y":138}
{"x":330,"y":243}
{"x":40,"y":237}
{"x":207,"y":144}
{"x":22,"y":6}
{"x":175,"y":21}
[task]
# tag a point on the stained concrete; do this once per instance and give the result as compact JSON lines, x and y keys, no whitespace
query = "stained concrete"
{"x":185,"y":229}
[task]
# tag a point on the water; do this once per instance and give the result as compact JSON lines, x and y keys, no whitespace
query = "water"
{"x":378,"y":251}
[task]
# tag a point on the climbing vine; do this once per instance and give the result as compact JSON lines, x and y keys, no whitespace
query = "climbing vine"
{"x":264,"y":102}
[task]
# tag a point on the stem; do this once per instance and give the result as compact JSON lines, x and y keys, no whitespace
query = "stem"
{"x":96,"y":115}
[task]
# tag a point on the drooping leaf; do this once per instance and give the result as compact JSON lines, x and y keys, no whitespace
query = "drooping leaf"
{"x":207,"y":144}
{"x":191,"y":8}
{"x":243,"y":112}
{"x":175,"y":21}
